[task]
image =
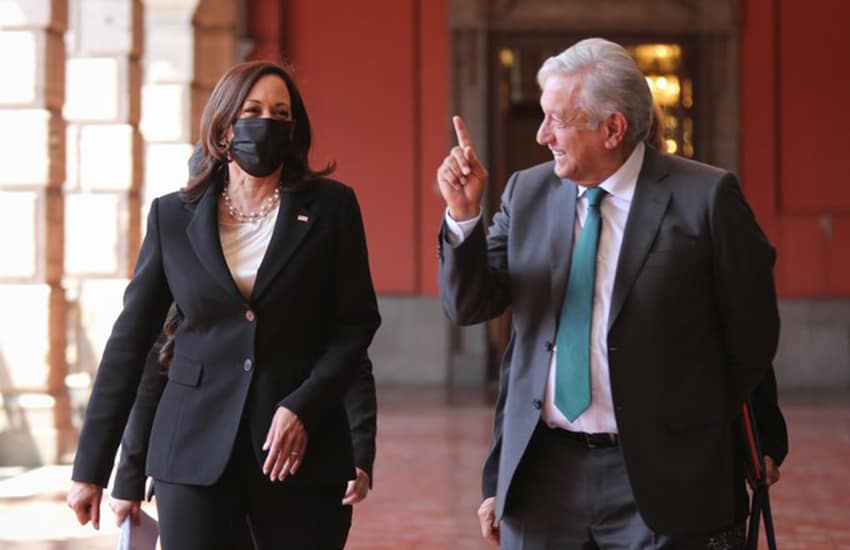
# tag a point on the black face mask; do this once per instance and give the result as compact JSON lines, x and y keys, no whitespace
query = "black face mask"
{"x":259,"y":145}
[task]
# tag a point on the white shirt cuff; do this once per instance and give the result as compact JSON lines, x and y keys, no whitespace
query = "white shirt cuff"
{"x":460,"y":230}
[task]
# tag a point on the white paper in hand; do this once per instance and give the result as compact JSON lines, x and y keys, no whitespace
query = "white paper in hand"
{"x":139,"y":537}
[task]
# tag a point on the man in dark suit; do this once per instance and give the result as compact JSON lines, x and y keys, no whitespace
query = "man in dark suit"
{"x":644,"y":315}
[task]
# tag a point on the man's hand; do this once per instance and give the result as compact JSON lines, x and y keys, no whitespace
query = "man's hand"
{"x":123,"y":508}
{"x":487,"y":519}
{"x":357,"y":489}
{"x":286,"y":443}
{"x":84,"y":500}
{"x":461,"y":177}
{"x":771,"y":471}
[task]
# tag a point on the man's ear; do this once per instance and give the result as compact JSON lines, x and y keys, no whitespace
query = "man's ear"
{"x":616,"y":126}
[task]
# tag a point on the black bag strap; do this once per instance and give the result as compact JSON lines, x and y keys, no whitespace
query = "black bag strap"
{"x":760,"y":506}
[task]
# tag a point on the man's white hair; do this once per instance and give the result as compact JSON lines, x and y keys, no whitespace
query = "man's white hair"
{"x":611,"y":82}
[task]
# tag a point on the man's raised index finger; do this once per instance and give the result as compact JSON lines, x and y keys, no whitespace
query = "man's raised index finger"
{"x":461,"y":132}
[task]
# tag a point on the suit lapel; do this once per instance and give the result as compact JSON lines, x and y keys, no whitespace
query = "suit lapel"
{"x":647,"y":210}
{"x":562,"y":216}
{"x":295,"y":218}
{"x":203,"y":235}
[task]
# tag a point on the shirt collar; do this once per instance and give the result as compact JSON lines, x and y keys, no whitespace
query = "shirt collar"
{"x":621,"y":183}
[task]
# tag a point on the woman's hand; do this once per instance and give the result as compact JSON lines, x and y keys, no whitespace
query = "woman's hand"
{"x":357,"y":488}
{"x":84,"y":500}
{"x":123,"y":508}
{"x":286,"y":443}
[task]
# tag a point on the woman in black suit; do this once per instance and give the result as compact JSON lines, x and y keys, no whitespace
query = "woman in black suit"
{"x":128,"y":489}
{"x":266,"y":260}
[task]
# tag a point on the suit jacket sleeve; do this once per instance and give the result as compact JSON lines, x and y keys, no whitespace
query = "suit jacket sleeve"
{"x":474,"y":280}
{"x":355,"y":321}
{"x":130,"y":475}
{"x":361,"y":405}
{"x":490,"y":476}
{"x":146,"y":302}
{"x":744,"y":286}
{"x":770,"y":422}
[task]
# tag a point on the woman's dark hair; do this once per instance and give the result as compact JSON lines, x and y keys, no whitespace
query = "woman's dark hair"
{"x":223,"y":109}
{"x":166,"y":351}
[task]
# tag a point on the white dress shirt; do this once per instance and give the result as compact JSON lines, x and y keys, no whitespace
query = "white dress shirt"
{"x":599,"y":416}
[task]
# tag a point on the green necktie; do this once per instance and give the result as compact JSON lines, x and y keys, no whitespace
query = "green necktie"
{"x":572,"y":378}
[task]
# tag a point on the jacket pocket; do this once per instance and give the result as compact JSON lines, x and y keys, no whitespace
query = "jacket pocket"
{"x":186,"y":371}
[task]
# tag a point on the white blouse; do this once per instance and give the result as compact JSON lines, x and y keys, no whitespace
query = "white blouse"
{"x":244,"y":245}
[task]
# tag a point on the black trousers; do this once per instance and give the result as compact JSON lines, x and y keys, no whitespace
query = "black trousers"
{"x":292,"y":514}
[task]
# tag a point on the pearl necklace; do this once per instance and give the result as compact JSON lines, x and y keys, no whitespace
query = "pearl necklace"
{"x":254,"y":217}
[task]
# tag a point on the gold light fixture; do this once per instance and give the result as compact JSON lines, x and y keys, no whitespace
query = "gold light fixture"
{"x":506,"y":57}
{"x":665,"y":89}
{"x":672,"y":90}
{"x":657,"y":58}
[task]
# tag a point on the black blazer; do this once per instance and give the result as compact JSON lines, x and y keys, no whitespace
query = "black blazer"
{"x":129,"y":484}
{"x":314,"y":313}
{"x":692,"y":331}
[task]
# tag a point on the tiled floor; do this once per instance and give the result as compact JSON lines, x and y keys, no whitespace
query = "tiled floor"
{"x":431,"y":446}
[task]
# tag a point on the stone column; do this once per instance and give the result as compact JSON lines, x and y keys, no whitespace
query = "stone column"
{"x":36,"y":427}
{"x":190,"y":43}
{"x":104,"y":170}
{"x":216,"y":49}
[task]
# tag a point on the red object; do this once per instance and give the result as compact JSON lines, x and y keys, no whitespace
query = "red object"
{"x":752,"y":448}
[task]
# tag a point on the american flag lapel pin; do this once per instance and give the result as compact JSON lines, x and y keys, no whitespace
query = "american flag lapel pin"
{"x":302,"y":218}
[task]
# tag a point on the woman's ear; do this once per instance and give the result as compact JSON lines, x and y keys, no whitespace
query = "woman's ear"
{"x":227,"y":136}
{"x":223,"y":148}
{"x":224,"y":142}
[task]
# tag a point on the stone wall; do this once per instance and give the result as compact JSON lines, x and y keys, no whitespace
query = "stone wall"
{"x":99,"y":118}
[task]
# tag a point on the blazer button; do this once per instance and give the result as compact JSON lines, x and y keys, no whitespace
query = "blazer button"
{"x":538,"y":404}
{"x":549,"y":346}
{"x":249,"y":315}
{"x":246,"y":366}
